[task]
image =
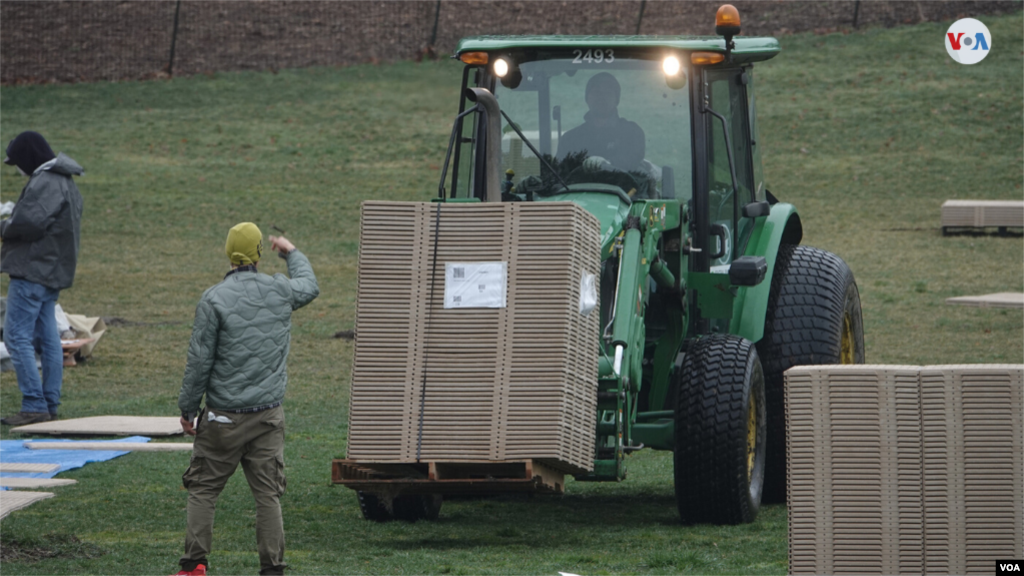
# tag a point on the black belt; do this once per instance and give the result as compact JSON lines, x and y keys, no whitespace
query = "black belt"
{"x":249,"y":410}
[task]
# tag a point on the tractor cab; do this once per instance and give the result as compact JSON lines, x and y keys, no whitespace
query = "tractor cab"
{"x":611,"y":121}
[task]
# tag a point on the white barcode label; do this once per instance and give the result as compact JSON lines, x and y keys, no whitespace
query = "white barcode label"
{"x":475,"y":284}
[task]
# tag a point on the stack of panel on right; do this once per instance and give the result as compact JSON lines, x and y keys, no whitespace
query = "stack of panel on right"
{"x":973,"y":467}
{"x":854,"y":463}
{"x":904,"y":469}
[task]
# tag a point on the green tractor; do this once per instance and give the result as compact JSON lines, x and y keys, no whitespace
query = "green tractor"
{"x":706,"y":296}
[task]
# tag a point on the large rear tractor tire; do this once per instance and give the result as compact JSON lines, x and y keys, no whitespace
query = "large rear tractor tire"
{"x":813,"y":317}
{"x":720,"y":432}
{"x":409,"y":508}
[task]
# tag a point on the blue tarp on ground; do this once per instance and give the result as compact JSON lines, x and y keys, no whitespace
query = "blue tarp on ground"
{"x":14,"y":451}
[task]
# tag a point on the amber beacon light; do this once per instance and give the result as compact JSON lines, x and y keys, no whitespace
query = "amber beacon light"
{"x":727,"y":23}
{"x":477,"y":58}
{"x":706,"y":58}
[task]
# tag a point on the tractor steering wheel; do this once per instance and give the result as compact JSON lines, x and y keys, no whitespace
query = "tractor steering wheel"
{"x":605,"y":175}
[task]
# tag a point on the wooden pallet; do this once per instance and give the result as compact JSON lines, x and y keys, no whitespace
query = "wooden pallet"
{"x":451,"y":478}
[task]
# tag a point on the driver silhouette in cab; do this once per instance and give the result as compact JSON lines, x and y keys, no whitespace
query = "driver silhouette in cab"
{"x":603,"y":134}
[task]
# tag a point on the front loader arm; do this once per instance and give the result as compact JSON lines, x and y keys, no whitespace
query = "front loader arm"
{"x":623,"y":342}
{"x":629,"y":302}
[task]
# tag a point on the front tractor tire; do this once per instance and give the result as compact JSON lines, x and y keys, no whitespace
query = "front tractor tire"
{"x":409,"y":508}
{"x":813,"y":317}
{"x":720,"y":432}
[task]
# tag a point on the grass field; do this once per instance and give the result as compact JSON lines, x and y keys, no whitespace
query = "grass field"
{"x":867,"y":133}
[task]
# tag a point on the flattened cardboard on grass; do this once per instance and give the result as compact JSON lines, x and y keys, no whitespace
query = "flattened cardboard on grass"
{"x":117,"y":446}
{"x":11,"y":500}
{"x":28,"y":468}
{"x":35,"y":482}
{"x":999,"y":300}
{"x":510,"y":383}
{"x":106,"y":426}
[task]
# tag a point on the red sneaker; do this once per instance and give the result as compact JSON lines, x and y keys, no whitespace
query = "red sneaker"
{"x":199,"y":571}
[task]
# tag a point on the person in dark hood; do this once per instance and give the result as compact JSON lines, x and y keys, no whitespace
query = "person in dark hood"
{"x":603,"y":133}
{"x":39,"y":253}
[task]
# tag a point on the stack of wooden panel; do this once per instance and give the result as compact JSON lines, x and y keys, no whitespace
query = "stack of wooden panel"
{"x":903,"y":469}
{"x":854,"y":466}
{"x":982,"y":213}
{"x":973,"y":467}
{"x":475,"y":384}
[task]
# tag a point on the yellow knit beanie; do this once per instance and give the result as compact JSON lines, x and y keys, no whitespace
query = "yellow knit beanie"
{"x":245,"y":244}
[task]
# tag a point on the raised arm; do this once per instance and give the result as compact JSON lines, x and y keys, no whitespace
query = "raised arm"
{"x":302,"y":278}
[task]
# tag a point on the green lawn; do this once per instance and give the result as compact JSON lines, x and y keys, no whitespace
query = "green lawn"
{"x":867,"y":133}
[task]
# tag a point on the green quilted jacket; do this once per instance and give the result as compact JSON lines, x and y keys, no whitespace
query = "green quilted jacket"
{"x":239,"y":349}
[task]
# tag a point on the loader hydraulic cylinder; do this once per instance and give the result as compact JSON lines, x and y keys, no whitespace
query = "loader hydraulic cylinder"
{"x":628,"y":297}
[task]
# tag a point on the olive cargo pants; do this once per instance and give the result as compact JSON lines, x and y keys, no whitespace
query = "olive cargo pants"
{"x":256,"y":440}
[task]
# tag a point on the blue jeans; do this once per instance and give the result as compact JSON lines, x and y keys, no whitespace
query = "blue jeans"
{"x":30,"y":323}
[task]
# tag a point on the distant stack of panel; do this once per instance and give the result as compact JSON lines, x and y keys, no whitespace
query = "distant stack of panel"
{"x":982,"y":213}
{"x":475,"y":384}
{"x":854,"y":470}
{"x":973,"y":467}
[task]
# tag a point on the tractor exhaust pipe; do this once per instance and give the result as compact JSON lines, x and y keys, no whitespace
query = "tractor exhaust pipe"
{"x":492,"y":145}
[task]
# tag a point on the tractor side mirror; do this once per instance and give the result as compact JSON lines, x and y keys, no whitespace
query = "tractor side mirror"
{"x":668,"y":183}
{"x":747,"y":270}
{"x":756,"y":209}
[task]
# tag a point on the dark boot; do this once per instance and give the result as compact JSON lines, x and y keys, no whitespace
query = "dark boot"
{"x":23,"y":418}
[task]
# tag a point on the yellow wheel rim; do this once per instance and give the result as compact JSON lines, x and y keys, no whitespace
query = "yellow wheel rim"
{"x":751,"y":436}
{"x":847,"y":353}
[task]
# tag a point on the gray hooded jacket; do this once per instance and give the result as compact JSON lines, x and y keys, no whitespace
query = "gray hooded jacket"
{"x":40,"y":239}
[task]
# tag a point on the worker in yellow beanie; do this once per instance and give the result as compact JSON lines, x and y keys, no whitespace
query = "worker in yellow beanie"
{"x":245,"y":244}
{"x":237,"y":363}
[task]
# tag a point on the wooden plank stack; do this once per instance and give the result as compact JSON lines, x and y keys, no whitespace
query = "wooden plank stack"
{"x":475,"y":384}
{"x":904,"y":469}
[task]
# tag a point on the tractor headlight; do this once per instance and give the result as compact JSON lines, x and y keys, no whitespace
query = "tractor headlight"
{"x":508,"y":72}
{"x":675,"y":76}
{"x":671,"y":66}
{"x":501,"y":67}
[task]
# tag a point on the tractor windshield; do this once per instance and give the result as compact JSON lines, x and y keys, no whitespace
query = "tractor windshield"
{"x":597,"y":118}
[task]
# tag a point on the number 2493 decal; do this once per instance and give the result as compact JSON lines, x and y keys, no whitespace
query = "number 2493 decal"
{"x":593,"y":56}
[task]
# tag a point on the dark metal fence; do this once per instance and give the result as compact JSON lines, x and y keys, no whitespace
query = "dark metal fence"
{"x":72,"y":41}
